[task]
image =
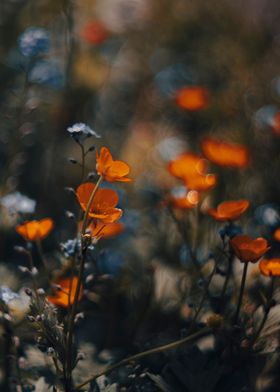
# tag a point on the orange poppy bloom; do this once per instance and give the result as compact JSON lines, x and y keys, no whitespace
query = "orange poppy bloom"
{"x":101,"y":230}
{"x":276,"y":234}
{"x":95,"y":32}
{"x":192,"y":98}
{"x":191,"y":168}
{"x":229,"y":210}
{"x":35,"y":230}
{"x":249,"y":249}
{"x":275,"y":124}
{"x":184,"y":202}
{"x":109,"y":169}
{"x":103,"y":206}
{"x":65,"y":295}
{"x":270,"y":267}
{"x":225,"y":154}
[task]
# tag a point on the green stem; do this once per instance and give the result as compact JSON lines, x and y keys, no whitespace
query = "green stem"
{"x":84,"y":226}
{"x":69,"y":344}
{"x":203,"y":297}
{"x":226,"y":282}
{"x":241,"y":292}
{"x":136,"y":357}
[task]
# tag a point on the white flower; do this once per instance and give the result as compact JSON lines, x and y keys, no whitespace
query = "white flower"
{"x":81,"y":131}
{"x":16,"y":202}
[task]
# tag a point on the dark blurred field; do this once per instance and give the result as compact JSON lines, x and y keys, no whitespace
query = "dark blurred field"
{"x":119,"y":67}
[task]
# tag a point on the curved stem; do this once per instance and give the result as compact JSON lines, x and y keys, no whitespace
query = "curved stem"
{"x":69,"y":344}
{"x":177,"y":343}
{"x":241,"y":292}
{"x":84,"y":226}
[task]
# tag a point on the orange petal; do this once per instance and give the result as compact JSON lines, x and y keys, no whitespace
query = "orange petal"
{"x":35,"y":230}
{"x":109,"y":215}
{"x":225,"y":154}
{"x":229,"y":210}
{"x":192,"y":98}
{"x":103,"y":199}
{"x":270,"y":267}
{"x":66,"y":295}
{"x":109,"y":169}
{"x":276,"y":235}
{"x":101,"y":230}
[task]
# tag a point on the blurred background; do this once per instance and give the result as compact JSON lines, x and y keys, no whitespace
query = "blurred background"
{"x":123,"y":67}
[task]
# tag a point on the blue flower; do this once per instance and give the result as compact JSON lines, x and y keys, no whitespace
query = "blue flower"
{"x":7,"y":295}
{"x":46,"y":73}
{"x":110,"y":262}
{"x":230,"y":231}
{"x":34,"y":41}
{"x":81,"y":131}
{"x":268,"y":214}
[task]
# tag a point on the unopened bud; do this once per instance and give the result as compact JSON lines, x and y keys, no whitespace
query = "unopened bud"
{"x":69,"y":190}
{"x":23,"y":269}
{"x":40,"y":291}
{"x":20,"y":249}
{"x":91,"y":175}
{"x":28,"y":291}
{"x":79,"y":316}
{"x":89,"y":278}
{"x":34,"y":271}
{"x":72,"y":160}
{"x":69,"y":214}
{"x":81,"y":356}
{"x":50,"y":351}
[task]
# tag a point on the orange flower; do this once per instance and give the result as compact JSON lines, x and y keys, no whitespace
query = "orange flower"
{"x":191,"y":168}
{"x":101,"y":230}
{"x":111,"y":170}
{"x":103,"y":206}
{"x":65,"y":292}
{"x":276,"y":234}
{"x":229,"y":210}
{"x":270,"y":267}
{"x":185,"y":201}
{"x":95,"y":32}
{"x":35,"y":230}
{"x":248,"y":249}
{"x":275,"y":124}
{"x":225,"y":154}
{"x":192,"y":98}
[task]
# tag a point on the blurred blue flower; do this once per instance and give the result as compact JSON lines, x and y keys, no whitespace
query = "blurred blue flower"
{"x":7,"y":295}
{"x":46,"y":73}
{"x":268,"y":214}
{"x":230,"y":231}
{"x":264,"y":116}
{"x":34,"y":41}
{"x":110,"y":262}
{"x":131,"y":220}
{"x":170,"y":79}
{"x":71,"y":247}
{"x":81,"y":132}
{"x":18,"y":203}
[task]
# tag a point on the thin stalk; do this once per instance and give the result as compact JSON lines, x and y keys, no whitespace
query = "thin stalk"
{"x":136,"y":357}
{"x":203,"y":297}
{"x":69,"y":344}
{"x":41,"y":254}
{"x":241,"y":292}
{"x":267,"y":308}
{"x":226,"y":282}
{"x":84,"y":226}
